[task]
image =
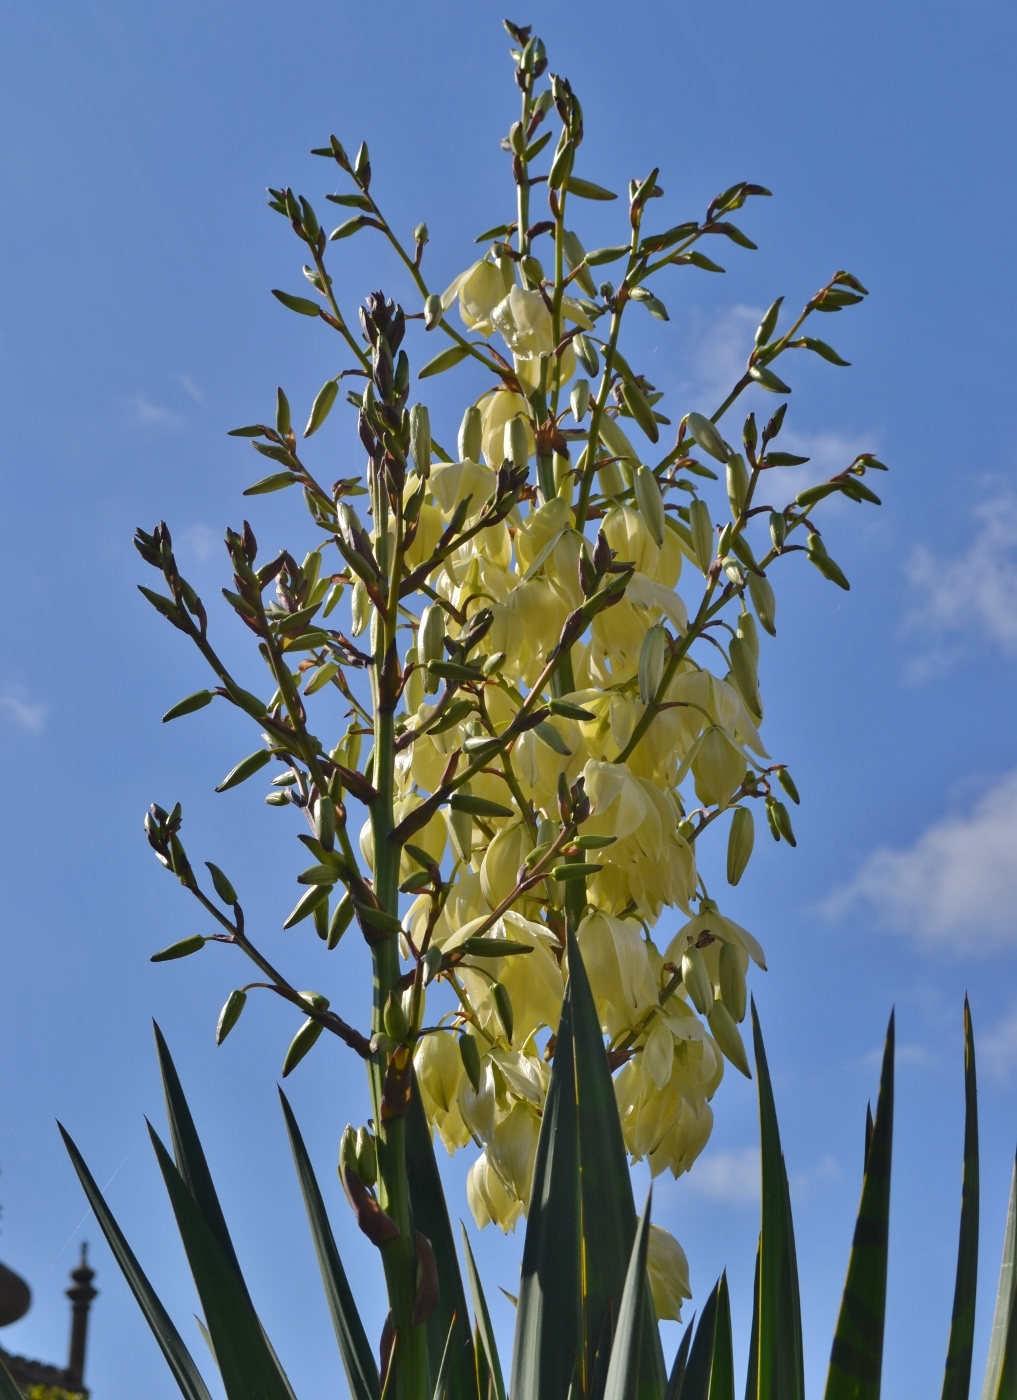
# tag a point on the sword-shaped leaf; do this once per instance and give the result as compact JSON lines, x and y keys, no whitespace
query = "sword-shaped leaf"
{"x":752,"y":1374}
{"x":484,"y":1329}
{"x":957,"y":1379}
{"x":674,"y":1380}
{"x":189,"y":1154}
{"x":1001,"y":1366}
{"x":710,"y":1371}
{"x":246,"y":1361}
{"x":430,"y":1215}
{"x":856,"y":1359}
{"x":780,"y":1369}
{"x":178,"y":1358}
{"x":627,"y":1351}
{"x":8,"y":1388}
{"x":354,"y":1348}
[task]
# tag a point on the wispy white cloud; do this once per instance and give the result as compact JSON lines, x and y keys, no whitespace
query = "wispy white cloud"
{"x":968,"y":597}
{"x":956,"y":886}
{"x":732,"y":1177}
{"x":30,"y":714}
{"x":143,"y":413}
{"x":199,"y":541}
{"x":189,"y":387}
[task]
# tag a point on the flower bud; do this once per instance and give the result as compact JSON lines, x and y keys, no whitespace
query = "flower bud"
{"x":728,"y":1037}
{"x":433,"y":312}
{"x":230,"y":1015}
{"x":586,"y":354}
{"x":366,"y":1157}
{"x":701,"y":529}
{"x":788,"y":784}
{"x":652,"y":655}
{"x":396,"y":1024}
{"x":503,"y":1006}
{"x":706,"y":436}
{"x":737,"y":483}
{"x":780,"y":821}
{"x":749,"y":635}
{"x":763,"y":601}
{"x":740,"y":841}
{"x":324,"y":821}
{"x":517,"y":441}
{"x":697,"y":980}
{"x":743,"y":670}
{"x":431,"y":634}
{"x":778,"y":529}
{"x":348,"y":1148}
{"x":471,"y":435}
{"x":360,"y":607}
{"x":732,"y":980}
{"x":650,"y":502}
{"x":471,"y":1060}
{"x":300,"y":1044}
{"x":827,"y":567}
{"x":580,"y":399}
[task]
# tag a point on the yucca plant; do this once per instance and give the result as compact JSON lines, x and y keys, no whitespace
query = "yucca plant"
{"x":585,"y":1324}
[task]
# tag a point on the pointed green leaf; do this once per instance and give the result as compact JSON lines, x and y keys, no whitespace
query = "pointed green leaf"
{"x":957,"y":1379}
{"x":1003,"y":1341}
{"x":752,"y":1372}
{"x":430,"y":1216}
{"x":626,"y":1353}
{"x":779,"y":1361}
{"x":674,"y":1380}
{"x":710,"y":1371}
{"x":247,"y":1364}
{"x":856,"y":1359}
{"x":178,"y":1358}
{"x":484,"y":1329}
{"x":189,"y":1155}
{"x":446,"y":1361}
{"x":354,"y":1348}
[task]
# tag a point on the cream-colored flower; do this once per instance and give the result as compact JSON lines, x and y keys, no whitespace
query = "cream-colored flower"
{"x":439,"y":1068}
{"x":668,"y":1270}
{"x":479,"y":289}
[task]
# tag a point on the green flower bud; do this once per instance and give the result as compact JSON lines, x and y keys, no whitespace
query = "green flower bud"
{"x":728,"y":1037}
{"x":348,"y":1148}
{"x":580,"y":399}
{"x":340,"y":921}
{"x":652,"y":655}
{"x":503,"y":1006}
{"x":818,"y":556}
{"x":749,"y":635}
{"x":586,"y":354}
{"x":324,"y":821}
{"x":300,"y":1045}
{"x":763,"y":601}
{"x":366,"y":1157}
{"x":697,"y":980}
{"x":182,"y":949}
{"x":431,"y":634}
{"x":650,"y":502}
{"x":471,"y":434}
{"x":778,"y":529}
{"x":433,"y":312}
{"x":396,"y":1024}
{"x":743,"y":671}
{"x":230,"y":1015}
{"x":517,"y":441}
{"x":471,"y":1060}
{"x":420,"y":439}
{"x":737,"y":482}
{"x":740,"y":840}
{"x":788,"y":784}
{"x":701,"y":528}
{"x":780,"y":820}
{"x":732,"y":980}
{"x":707,"y":436}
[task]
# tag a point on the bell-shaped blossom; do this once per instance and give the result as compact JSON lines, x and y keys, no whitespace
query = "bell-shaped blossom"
{"x":668,"y":1271}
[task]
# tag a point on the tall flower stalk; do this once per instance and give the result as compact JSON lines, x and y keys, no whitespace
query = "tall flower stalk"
{"x":535,"y":726}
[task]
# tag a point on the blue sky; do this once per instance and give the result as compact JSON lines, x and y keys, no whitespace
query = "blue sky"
{"x":136,"y":328}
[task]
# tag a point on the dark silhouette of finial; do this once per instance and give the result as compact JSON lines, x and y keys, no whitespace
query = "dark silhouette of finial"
{"x":81,"y":1296}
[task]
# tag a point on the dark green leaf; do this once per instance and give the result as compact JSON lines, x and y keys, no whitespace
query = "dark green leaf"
{"x":674,"y":1380}
{"x":8,"y":1389}
{"x":779,"y":1361}
{"x":856,"y":1359}
{"x":430,"y":1215}
{"x":444,"y":361}
{"x":957,"y":1378}
{"x":246,"y":1362}
{"x":303,"y":305}
{"x":355,"y":1349}
{"x":1001,"y":1366}
{"x":484,"y":1329}
{"x":178,"y":1358}
{"x":710,"y":1371}
{"x":626,"y":1353}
